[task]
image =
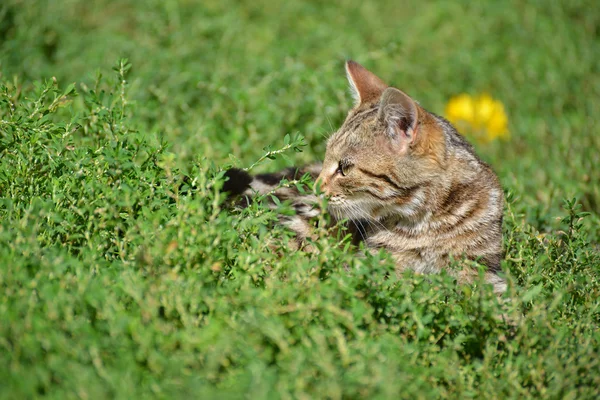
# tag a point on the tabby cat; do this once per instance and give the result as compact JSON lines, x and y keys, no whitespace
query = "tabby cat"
{"x":405,"y":178}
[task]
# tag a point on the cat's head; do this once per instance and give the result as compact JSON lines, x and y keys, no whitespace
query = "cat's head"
{"x":383,"y":155}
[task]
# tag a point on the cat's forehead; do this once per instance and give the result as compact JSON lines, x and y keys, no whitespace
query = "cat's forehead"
{"x":356,"y":131}
{"x":360,"y":117}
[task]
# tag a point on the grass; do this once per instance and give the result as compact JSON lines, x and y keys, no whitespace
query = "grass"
{"x":121,"y":278}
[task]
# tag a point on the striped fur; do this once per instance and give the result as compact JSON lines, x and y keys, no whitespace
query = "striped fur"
{"x":408,"y":181}
{"x":305,"y":204}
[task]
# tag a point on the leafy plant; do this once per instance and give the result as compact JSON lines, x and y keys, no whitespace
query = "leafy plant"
{"x":124,"y":272}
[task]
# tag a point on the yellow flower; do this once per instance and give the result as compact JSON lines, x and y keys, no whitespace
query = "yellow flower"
{"x":482,"y":116}
{"x":497,"y":123}
{"x":460,"y":108}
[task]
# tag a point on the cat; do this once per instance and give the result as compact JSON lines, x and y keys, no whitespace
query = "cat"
{"x":407,"y":181}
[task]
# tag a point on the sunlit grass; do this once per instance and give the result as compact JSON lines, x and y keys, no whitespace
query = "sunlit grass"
{"x":124,"y":272}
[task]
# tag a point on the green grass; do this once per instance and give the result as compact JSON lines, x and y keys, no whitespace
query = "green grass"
{"x":121,"y":279}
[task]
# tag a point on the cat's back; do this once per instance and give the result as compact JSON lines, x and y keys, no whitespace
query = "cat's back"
{"x":470,"y":201}
{"x":461,"y":152}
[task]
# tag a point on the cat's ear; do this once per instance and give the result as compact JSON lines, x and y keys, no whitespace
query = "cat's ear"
{"x":400,"y":115}
{"x":365,"y":85}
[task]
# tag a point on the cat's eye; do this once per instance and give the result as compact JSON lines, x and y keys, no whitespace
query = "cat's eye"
{"x":344,"y":167}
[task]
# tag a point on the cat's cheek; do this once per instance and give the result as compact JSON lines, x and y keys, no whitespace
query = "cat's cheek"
{"x":376,"y":212}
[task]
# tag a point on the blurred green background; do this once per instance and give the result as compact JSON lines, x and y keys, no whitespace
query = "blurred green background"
{"x":116,"y":282}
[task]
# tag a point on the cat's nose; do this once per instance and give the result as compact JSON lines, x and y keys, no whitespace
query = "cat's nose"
{"x":321,"y":183}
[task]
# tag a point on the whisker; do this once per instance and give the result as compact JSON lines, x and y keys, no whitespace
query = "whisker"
{"x":376,"y":222}
{"x":330,"y":124}
{"x":373,"y":223}
{"x":324,"y":133}
{"x":357,"y":220}
{"x":360,"y":229}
